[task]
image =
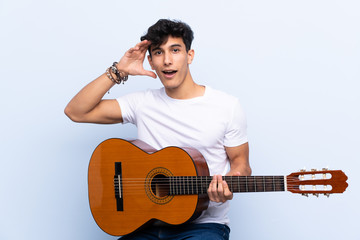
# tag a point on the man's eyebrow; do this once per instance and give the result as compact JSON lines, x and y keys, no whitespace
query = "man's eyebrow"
{"x":155,"y":49}
{"x":159,"y":48}
{"x":176,"y":45}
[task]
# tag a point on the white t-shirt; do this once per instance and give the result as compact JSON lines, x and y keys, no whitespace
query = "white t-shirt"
{"x":207,"y":123}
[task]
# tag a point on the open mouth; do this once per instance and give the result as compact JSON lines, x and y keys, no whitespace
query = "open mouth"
{"x":169,"y":73}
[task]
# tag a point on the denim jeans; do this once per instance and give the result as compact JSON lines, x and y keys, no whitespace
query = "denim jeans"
{"x":203,"y":231}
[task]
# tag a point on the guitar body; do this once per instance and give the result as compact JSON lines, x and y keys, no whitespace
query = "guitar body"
{"x":141,"y":192}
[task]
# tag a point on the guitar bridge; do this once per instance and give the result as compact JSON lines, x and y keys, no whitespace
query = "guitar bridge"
{"x":118,"y":187}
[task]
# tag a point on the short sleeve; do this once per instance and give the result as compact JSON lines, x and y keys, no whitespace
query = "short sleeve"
{"x":129,"y":104}
{"x":236,"y":132}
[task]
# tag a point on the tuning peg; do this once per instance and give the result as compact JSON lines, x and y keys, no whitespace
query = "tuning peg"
{"x":303,"y":170}
{"x":327,"y":194}
{"x":305,"y":194}
{"x":325,"y":169}
{"x":313,"y":169}
{"x":316,"y":194}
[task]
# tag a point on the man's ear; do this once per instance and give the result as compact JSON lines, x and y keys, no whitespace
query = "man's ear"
{"x":150,"y":62}
{"x":191,"y":55}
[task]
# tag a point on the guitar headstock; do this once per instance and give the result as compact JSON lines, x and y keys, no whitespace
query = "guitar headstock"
{"x":317,"y":182}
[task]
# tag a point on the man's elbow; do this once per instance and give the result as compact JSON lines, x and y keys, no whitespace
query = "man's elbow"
{"x":72,"y":115}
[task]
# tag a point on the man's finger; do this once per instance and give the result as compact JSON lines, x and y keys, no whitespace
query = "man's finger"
{"x":143,"y":45}
{"x":227,"y":193}
{"x":220,"y":188}
{"x":212,"y":190}
{"x":150,"y":74}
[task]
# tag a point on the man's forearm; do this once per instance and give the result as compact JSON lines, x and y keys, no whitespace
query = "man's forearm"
{"x":88,"y":98}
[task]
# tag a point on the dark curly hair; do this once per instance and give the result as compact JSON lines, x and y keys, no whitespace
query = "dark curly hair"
{"x":162,"y":29}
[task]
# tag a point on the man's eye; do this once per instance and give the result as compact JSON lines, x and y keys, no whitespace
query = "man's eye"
{"x":157,"y":52}
{"x":176,"y":50}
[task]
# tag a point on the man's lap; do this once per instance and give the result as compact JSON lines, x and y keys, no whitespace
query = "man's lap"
{"x":204,"y":231}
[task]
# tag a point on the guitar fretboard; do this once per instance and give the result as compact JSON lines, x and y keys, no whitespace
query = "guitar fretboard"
{"x":188,"y":185}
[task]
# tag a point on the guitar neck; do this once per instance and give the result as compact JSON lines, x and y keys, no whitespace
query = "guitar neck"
{"x":188,"y":185}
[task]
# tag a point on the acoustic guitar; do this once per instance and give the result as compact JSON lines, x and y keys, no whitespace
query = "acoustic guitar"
{"x":132,"y":185}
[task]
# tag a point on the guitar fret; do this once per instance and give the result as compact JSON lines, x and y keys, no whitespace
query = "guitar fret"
{"x":205,"y":184}
{"x":201,"y":184}
{"x":255,"y":184}
{"x":281,"y":183}
{"x":246,"y":185}
{"x":197,"y":185}
{"x":264,"y":183}
{"x":188,"y":184}
{"x":174,"y":186}
{"x":274,"y":183}
{"x":270,"y":182}
{"x":182,"y":186}
{"x":177,"y":185}
{"x":170,"y":192}
{"x":252,"y":185}
{"x":192,"y":185}
{"x":185,"y":184}
{"x":231,"y":182}
{"x":208,"y":181}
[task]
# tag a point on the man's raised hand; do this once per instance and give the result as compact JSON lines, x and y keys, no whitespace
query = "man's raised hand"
{"x":132,"y":62}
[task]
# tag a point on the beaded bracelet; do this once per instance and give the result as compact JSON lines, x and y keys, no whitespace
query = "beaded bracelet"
{"x":108,"y":74}
{"x":119,"y":77}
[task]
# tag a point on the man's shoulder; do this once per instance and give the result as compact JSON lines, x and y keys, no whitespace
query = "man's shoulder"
{"x":219,"y":95}
{"x":143,"y":94}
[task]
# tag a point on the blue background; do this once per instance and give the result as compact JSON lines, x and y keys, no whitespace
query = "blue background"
{"x":294,"y":65}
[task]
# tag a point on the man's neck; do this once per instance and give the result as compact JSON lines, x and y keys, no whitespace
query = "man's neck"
{"x":189,"y":89}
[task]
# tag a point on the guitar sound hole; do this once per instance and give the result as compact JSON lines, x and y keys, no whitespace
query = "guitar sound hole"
{"x":160,"y":186}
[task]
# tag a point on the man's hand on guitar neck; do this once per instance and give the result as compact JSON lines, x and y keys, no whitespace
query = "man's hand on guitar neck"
{"x":218,"y":190}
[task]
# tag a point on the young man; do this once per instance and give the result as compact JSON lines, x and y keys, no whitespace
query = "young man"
{"x":182,"y":113}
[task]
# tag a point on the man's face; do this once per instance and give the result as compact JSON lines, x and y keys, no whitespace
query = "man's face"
{"x":171,"y":62}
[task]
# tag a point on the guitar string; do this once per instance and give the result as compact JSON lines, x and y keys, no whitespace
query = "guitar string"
{"x":186,"y":185}
{"x":241,"y":181}
{"x":201,"y":188}
{"x":234,"y":181}
{"x":141,"y":181}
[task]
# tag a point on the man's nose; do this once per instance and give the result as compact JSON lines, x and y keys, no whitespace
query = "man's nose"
{"x":167,"y":59}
